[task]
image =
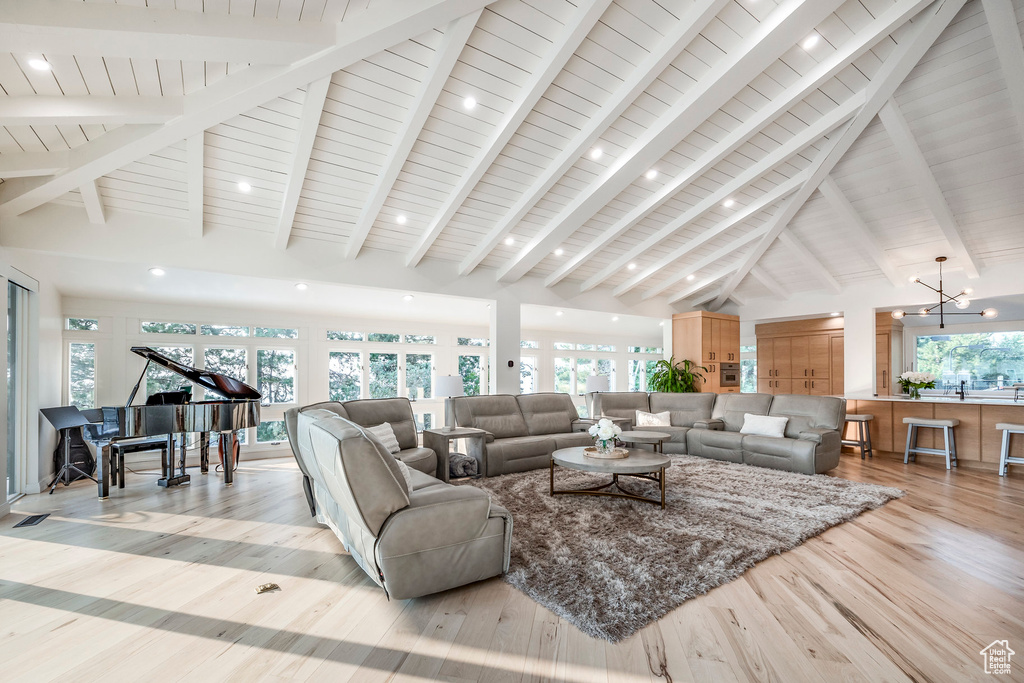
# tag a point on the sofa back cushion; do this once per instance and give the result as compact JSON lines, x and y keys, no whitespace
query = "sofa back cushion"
{"x":498,"y":414}
{"x":730,"y":408}
{"x":815,"y":412}
{"x":361,"y":476}
{"x":301,"y":444}
{"x":547,"y":413}
{"x":619,"y":404}
{"x":684,"y":409}
{"x":395,"y":411}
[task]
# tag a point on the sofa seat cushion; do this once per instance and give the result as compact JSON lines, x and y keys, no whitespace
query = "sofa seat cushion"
{"x":717,"y":445}
{"x":794,"y":455}
{"x":519,"y":447}
{"x":419,"y":480}
{"x":572,"y":439}
{"x":422,"y":459}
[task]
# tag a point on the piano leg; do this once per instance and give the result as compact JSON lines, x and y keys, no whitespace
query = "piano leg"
{"x":170,"y":476}
{"x":204,"y":452}
{"x":102,"y":477}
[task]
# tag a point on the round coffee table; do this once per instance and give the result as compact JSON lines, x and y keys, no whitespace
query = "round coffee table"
{"x":640,"y":464}
{"x":656,"y":439}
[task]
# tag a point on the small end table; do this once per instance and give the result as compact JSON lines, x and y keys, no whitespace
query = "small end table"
{"x":656,"y":439}
{"x":439,"y":441}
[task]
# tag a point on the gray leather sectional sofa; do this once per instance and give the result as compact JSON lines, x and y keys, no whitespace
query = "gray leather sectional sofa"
{"x":412,"y":537}
{"x":708,"y":425}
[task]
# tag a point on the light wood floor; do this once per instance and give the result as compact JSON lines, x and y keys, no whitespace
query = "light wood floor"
{"x":159,"y":585}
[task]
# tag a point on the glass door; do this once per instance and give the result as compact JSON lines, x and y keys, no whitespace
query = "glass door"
{"x":17,"y":309}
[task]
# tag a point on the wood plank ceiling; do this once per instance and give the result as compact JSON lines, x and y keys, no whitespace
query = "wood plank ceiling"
{"x":696,"y":149}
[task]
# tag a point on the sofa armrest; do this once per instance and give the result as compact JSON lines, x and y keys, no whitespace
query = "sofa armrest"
{"x":815,"y":434}
{"x":713,"y":424}
{"x":436,"y":516}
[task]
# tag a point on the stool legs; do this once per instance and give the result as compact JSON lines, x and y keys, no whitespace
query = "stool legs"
{"x":867,"y":436}
{"x":1004,"y":452}
{"x":911,"y":443}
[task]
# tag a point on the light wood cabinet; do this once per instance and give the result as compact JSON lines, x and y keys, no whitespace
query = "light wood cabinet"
{"x":708,"y":339}
{"x":800,"y":356}
{"x":883,"y":364}
{"x":837,"y":364}
{"x":888,"y":355}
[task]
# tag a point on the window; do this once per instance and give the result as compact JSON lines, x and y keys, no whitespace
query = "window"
{"x":645,"y":349}
{"x":586,"y":367}
{"x":159,"y":378}
{"x":984,"y":361}
{"x":473,"y":341}
{"x":345,"y":375}
{"x":17,"y":317}
{"x":529,"y":345}
{"x":527,"y":374}
{"x":225,"y":330}
{"x":271,"y":431}
{"x":275,"y":375}
{"x":563,"y":375}
{"x":84,"y":324}
{"x":230,"y":362}
{"x":82,"y":375}
{"x":420,"y":339}
{"x":383,"y":375}
{"x":748,"y":369}
{"x":418,"y":375}
{"x":424,"y":421}
{"x":168,"y":328}
{"x":564,"y":346}
{"x":471,"y":369}
{"x":384,"y":337}
{"x":586,"y":347}
{"x":276,"y":332}
{"x":335,"y":335}
{"x":606,"y":347}
{"x":639,"y":372}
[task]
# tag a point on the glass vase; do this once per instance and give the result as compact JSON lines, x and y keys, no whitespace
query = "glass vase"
{"x":604,"y":446}
{"x":915,"y":392}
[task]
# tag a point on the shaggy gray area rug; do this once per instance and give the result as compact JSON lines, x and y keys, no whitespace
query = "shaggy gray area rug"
{"x":611,"y":566}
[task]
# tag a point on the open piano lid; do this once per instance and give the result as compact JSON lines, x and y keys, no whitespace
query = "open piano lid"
{"x":228,"y":387}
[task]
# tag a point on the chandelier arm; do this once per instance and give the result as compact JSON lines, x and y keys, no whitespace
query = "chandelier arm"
{"x":923,"y":284}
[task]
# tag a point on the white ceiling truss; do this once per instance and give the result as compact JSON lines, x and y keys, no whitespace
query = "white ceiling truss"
{"x":700,"y":150}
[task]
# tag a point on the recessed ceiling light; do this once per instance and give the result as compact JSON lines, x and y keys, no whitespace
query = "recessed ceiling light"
{"x":690,"y":277}
{"x":244,"y":186}
{"x":469,"y":102}
{"x":509,"y":241}
{"x":559,"y":251}
{"x":157,"y":271}
{"x":651,"y":175}
{"x":631,"y":266}
{"x":729,"y":203}
{"x":559,"y":313}
{"x":408,"y":297}
{"x":400,"y":219}
{"x":810,"y":41}
{"x":596,"y":153}
{"x":40,"y":64}
{"x":615,"y":318}
{"x":301,"y":286}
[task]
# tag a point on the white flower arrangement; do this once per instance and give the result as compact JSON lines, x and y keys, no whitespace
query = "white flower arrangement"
{"x":912,"y":377}
{"x":605,"y":430}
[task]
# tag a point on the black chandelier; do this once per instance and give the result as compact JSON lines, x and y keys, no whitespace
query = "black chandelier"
{"x":959,"y":300}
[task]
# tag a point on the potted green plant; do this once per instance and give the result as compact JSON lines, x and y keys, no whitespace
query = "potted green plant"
{"x":668,"y":375}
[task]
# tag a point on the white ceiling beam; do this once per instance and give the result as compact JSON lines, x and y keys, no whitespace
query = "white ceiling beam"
{"x":1002,"y":21}
{"x":31,"y":164}
{"x":810,"y":261}
{"x":910,"y":154}
{"x":762,"y":203}
{"x":722,"y":252}
{"x":668,"y":48}
{"x":60,"y":110}
{"x":384,"y":24}
{"x":309,"y":123}
{"x":863,"y":238}
{"x":194,"y":174}
{"x":792,"y":147}
{"x":447,"y":55}
{"x":923,"y":33}
{"x":559,"y":53}
{"x":860,"y":43}
{"x":117,"y":30}
{"x":93,"y":202}
{"x":703,"y":299}
{"x":762,"y":276}
{"x":789,"y":23}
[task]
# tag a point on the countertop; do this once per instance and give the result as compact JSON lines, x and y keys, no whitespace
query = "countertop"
{"x":1005,"y":399}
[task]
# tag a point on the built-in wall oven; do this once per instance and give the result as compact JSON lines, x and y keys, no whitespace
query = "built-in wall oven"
{"x":730,"y":374}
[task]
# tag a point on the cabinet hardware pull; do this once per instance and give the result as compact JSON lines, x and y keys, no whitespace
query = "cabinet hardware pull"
{"x":812,"y":373}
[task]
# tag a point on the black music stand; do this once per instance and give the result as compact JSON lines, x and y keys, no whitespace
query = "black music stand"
{"x":66,"y":418}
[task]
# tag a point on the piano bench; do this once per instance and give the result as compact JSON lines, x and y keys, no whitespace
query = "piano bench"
{"x":118,"y":449}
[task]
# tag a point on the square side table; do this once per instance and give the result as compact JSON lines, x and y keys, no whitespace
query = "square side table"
{"x":439,"y":441}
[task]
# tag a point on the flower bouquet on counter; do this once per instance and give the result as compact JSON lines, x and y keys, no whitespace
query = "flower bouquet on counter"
{"x":913,"y":382}
{"x":605,"y":432}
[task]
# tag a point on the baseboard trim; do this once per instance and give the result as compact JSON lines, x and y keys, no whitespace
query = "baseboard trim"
{"x":5,"y":509}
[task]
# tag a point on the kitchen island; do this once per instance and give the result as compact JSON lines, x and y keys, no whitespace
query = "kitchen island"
{"x":977,"y":439}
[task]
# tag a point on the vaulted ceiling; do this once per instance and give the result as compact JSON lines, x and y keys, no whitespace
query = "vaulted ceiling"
{"x":699,"y":150}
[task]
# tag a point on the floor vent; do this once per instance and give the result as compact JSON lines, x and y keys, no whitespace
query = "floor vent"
{"x":32,"y":520}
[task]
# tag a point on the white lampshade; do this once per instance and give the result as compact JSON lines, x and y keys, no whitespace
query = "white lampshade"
{"x":598,"y":383}
{"x":446,"y":386}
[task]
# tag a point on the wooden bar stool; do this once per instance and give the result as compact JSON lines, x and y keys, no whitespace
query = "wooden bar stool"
{"x":913,"y":423}
{"x":1004,"y":455}
{"x":863,"y":440}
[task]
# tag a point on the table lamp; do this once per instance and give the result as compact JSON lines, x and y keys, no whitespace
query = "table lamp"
{"x":598,"y":383}
{"x":446,"y":387}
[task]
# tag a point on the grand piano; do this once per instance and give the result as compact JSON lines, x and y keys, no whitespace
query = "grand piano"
{"x":173,"y":412}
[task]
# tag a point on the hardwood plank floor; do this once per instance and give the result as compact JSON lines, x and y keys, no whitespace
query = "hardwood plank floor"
{"x":158,"y":585}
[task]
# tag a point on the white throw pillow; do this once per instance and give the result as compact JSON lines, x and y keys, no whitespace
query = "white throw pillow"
{"x":653,"y":419}
{"x":386,"y":435}
{"x":764,"y":425}
{"x":405,"y":473}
